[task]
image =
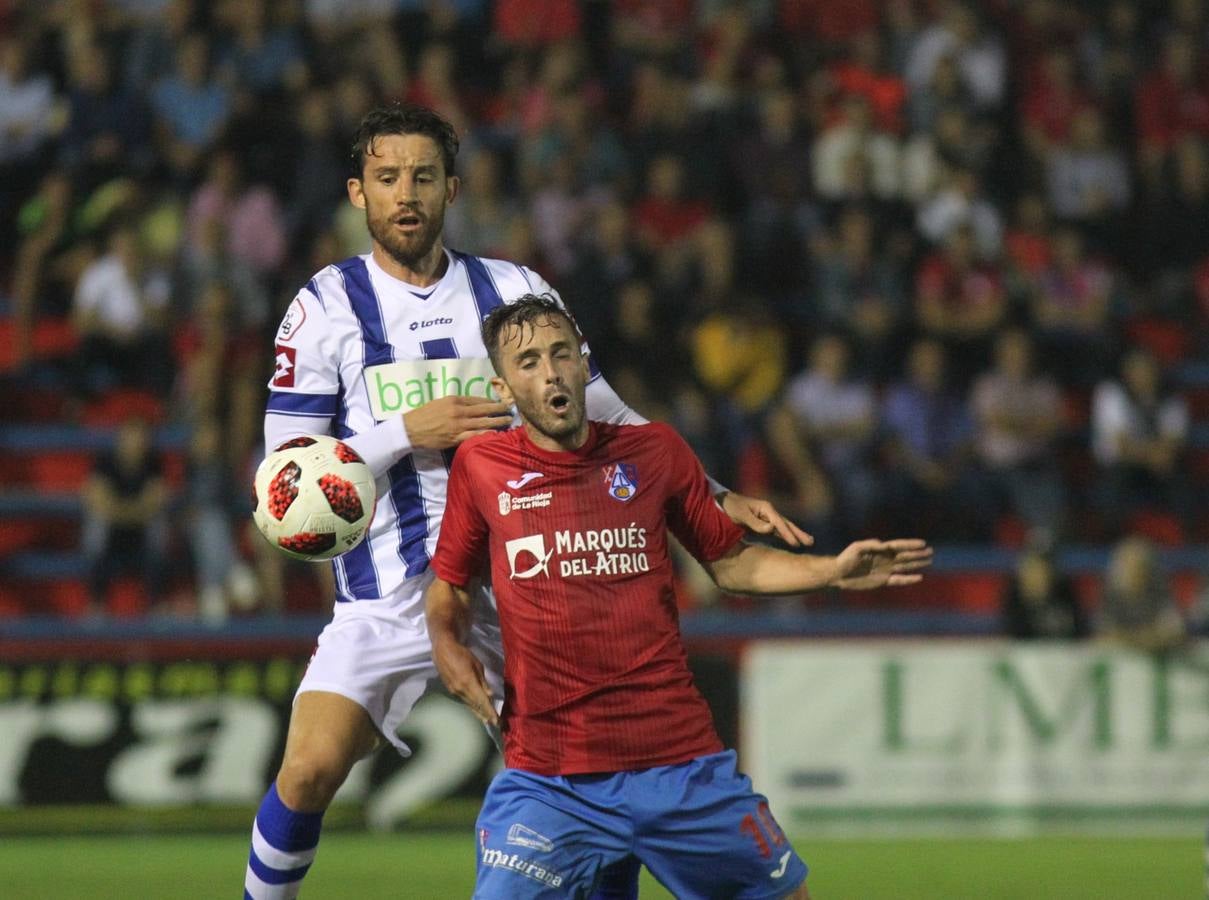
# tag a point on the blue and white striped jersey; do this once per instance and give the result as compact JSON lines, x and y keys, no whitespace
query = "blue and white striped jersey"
{"x":357,"y":349}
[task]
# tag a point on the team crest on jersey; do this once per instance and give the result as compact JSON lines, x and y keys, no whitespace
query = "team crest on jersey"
{"x":621,"y":479}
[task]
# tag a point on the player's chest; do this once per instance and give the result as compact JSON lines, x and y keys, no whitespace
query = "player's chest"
{"x":601,"y":520}
{"x":420,"y":352}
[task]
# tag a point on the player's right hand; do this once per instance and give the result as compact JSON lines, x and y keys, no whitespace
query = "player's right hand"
{"x":448,"y":421}
{"x":463,"y":675}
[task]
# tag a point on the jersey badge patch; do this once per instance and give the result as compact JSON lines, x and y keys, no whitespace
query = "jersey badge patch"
{"x":295,"y":315}
{"x":621,"y":479}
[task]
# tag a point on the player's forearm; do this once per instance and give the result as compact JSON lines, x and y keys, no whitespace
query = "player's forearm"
{"x":381,"y":446}
{"x":447,"y":612}
{"x":757,"y":569}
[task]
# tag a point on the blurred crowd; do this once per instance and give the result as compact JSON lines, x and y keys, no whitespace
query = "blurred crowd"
{"x":926,"y":266}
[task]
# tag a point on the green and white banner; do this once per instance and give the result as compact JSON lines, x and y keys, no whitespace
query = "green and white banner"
{"x":916,"y":732}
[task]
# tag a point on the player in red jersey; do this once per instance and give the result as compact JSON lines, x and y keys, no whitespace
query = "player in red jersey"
{"x":610,"y":749}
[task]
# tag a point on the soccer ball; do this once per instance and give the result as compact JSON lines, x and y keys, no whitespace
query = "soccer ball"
{"x":313,"y":497}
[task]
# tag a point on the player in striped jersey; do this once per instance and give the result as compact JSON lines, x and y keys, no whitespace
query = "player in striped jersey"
{"x":384,"y":350}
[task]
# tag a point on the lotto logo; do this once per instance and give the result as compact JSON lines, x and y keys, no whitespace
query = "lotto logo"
{"x":283,"y":374}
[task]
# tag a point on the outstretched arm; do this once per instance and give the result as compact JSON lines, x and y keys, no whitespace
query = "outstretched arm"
{"x":447,"y":611}
{"x":863,"y":565}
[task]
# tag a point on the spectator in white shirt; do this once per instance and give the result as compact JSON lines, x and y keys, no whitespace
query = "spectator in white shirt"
{"x":1139,"y":431}
{"x":119,"y":311}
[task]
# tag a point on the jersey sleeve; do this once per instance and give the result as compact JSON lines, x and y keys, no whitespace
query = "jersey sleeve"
{"x":462,"y":546}
{"x":304,"y":392}
{"x":306,"y":365}
{"x":692,"y":514}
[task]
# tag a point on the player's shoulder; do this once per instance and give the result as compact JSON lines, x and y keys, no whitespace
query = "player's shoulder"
{"x":511,"y":279}
{"x":490,"y":445}
{"x":657,"y":436}
{"x":329,"y":286}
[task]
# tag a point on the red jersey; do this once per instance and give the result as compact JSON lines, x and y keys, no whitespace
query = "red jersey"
{"x":596,"y":678}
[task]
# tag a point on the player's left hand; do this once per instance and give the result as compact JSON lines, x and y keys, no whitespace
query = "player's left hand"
{"x":761,"y":517}
{"x":865,"y":565}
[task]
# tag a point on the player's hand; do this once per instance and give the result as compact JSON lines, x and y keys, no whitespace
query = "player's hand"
{"x":463,"y":676}
{"x":448,"y":421}
{"x":761,"y":517}
{"x":865,"y":565}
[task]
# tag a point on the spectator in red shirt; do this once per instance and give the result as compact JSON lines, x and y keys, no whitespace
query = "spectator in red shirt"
{"x":665,"y":216}
{"x":959,"y":300}
{"x":830,"y":21}
{"x":1050,"y":102}
{"x":1170,"y":103}
{"x":865,"y":74}
{"x":528,"y":24}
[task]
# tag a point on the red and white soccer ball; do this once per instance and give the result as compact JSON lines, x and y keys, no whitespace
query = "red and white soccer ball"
{"x":313,"y":497}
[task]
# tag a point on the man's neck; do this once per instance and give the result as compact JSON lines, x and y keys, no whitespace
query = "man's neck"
{"x":566,"y":444}
{"x":424,"y":273}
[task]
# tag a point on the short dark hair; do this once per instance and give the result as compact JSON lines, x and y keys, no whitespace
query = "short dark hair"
{"x":529,"y":309}
{"x":402,"y":118}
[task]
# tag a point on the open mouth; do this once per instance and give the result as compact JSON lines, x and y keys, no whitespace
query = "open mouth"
{"x":409,"y":221}
{"x":560,"y":403}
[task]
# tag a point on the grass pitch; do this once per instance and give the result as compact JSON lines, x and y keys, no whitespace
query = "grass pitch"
{"x":436,"y":866}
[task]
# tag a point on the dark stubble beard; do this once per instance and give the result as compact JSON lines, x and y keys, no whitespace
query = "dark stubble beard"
{"x":406,"y":251}
{"x":549,"y":425}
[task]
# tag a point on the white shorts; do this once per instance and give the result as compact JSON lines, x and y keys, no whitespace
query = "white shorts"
{"x":377,"y":654}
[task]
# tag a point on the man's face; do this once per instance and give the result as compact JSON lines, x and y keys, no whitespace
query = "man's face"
{"x":545,"y":374}
{"x":404,"y":191}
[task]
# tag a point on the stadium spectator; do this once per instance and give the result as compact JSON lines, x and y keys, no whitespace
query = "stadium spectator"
{"x":852,"y":155}
{"x":125,"y":516}
{"x":1071,"y":305}
{"x":1171,"y":101}
{"x":1027,"y":244}
{"x":535,"y":24}
{"x":961,"y":203}
{"x":928,"y":435}
{"x":479,"y":223}
{"x":858,"y":290}
{"x":247,"y":216}
{"x":1089,"y":180}
{"x":213,"y":498}
{"x":1138,"y":610}
{"x":120,"y":311}
{"x":606,"y":260}
{"x":830,"y":417}
{"x":30,"y":113}
{"x":960,"y":300}
{"x":665,"y":216}
{"x":259,"y":55}
{"x":979,"y":56}
{"x":931,"y":154}
{"x":191,"y":107}
{"x":107,"y":124}
{"x":740,"y":357}
{"x":1017,"y":419}
{"x":1139,"y":432}
{"x":317,"y":164}
{"x":1040,"y":602}
{"x":1052,"y":103}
